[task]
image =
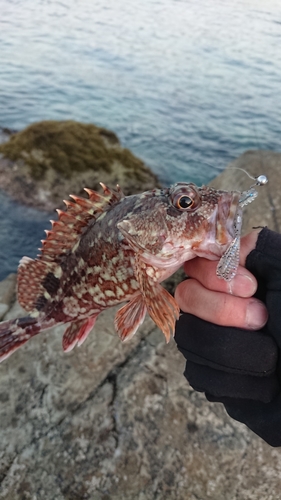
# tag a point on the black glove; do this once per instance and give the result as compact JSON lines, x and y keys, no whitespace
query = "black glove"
{"x":242,"y":368}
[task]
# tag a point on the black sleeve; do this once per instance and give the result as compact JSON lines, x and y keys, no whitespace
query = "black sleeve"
{"x":242,"y":368}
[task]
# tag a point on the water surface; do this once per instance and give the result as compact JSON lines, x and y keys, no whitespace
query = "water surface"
{"x":21,"y":229}
{"x":181,"y":82}
{"x":188,"y":85}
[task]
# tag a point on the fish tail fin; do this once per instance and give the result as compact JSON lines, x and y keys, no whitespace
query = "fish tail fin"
{"x":14,"y":333}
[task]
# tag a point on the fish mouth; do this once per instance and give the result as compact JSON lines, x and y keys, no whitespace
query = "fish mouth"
{"x":228,"y":220}
{"x":223,"y":226}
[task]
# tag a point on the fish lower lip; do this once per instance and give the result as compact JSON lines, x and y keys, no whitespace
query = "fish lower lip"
{"x":228,"y":218}
{"x":221,"y":234}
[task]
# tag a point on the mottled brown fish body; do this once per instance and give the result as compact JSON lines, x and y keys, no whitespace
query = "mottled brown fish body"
{"x":110,"y":249}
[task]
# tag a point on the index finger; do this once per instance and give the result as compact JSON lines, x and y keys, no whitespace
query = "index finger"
{"x":244,"y":284}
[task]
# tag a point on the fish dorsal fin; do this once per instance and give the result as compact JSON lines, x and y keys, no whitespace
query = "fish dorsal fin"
{"x":66,"y":231}
{"x":61,"y":239}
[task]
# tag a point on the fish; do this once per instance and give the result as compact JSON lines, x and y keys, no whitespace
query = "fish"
{"x":109,"y":248}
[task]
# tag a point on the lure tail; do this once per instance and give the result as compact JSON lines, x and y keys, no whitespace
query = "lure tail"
{"x":14,"y":333}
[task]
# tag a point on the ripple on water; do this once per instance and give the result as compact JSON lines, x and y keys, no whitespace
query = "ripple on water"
{"x":187,"y":85}
{"x":172,"y":70}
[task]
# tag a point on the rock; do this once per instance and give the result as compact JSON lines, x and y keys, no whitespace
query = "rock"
{"x":7,"y":289}
{"x":7,"y":294}
{"x":119,"y":421}
{"x":5,"y":134}
{"x":265,"y":210}
{"x":3,"y":309}
{"x":44,"y":163}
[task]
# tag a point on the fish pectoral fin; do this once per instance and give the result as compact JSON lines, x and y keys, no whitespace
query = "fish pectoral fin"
{"x":77,"y":332}
{"x":161,"y":306}
{"x":130,"y":317}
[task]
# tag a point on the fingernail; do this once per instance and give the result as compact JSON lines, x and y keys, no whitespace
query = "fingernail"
{"x":256,"y":315}
{"x":242,"y":285}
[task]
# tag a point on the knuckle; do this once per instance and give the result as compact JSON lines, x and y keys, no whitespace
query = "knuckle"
{"x":220,"y":309}
{"x":230,"y":311}
{"x":186,"y":295}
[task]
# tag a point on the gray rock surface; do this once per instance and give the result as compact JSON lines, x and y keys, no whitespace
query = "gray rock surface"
{"x":266,"y":209}
{"x":7,"y":293}
{"x":119,"y":421}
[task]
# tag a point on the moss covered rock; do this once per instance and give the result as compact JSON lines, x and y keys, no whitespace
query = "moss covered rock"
{"x":48,"y":160}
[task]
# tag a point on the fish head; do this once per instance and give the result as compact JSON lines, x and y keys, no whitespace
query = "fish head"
{"x":209,"y":219}
{"x":182,"y":222}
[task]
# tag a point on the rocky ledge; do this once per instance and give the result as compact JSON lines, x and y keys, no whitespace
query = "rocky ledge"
{"x":41,"y":165}
{"x":113,"y":421}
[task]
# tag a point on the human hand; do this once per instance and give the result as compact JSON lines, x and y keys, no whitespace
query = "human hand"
{"x":218,"y":301}
{"x":237,"y":365}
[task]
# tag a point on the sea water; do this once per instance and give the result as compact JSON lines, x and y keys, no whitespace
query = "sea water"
{"x":187,"y":85}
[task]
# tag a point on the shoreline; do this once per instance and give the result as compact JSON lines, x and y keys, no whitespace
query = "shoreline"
{"x":47,"y":191}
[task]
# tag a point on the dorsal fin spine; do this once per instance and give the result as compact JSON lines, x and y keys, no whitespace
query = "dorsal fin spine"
{"x":63,"y":236}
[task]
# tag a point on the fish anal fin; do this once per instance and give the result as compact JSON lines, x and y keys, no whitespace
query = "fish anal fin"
{"x":161,"y":306}
{"x":77,"y":332}
{"x":130,"y":317}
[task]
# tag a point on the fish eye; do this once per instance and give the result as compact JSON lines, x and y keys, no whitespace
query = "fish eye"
{"x":185,"y":197}
{"x":184,"y":202}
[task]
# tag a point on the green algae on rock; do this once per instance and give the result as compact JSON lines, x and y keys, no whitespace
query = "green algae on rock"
{"x":49,"y":159}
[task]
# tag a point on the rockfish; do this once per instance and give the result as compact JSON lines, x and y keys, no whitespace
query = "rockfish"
{"x":112,"y":248}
